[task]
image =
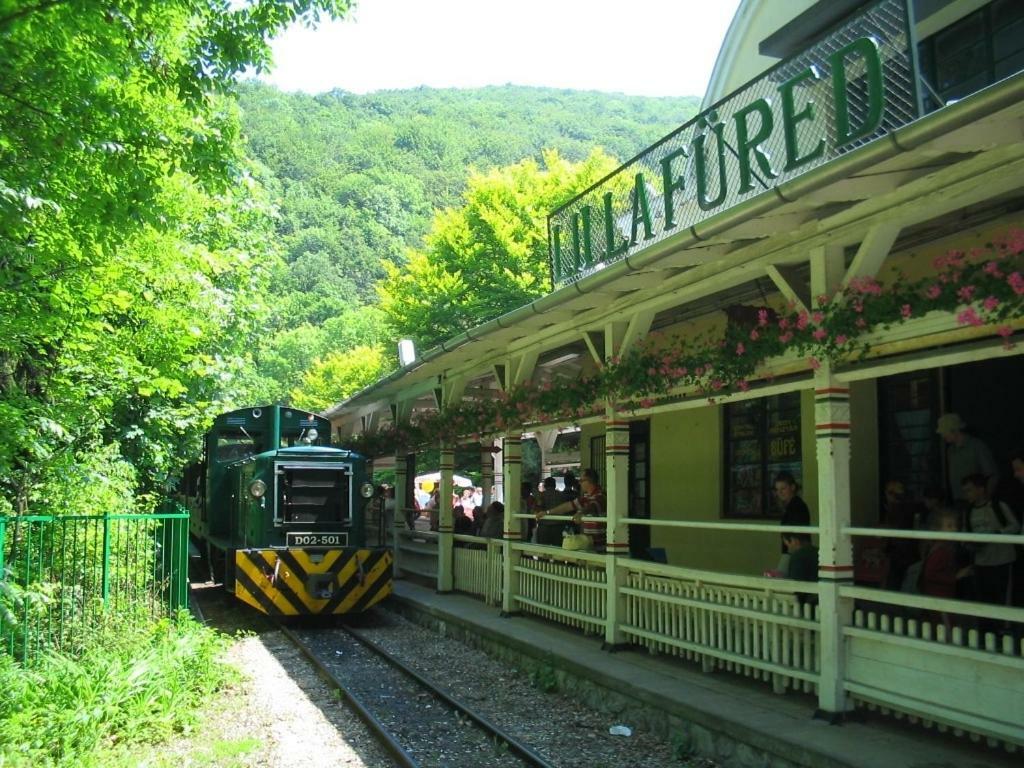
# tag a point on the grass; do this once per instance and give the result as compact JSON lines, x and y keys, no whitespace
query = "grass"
{"x":543,"y":678}
{"x":131,"y":683}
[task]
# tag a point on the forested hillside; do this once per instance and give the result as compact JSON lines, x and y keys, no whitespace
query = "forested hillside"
{"x":360,"y":180}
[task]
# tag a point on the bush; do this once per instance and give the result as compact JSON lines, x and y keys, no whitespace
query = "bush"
{"x":129,"y":683}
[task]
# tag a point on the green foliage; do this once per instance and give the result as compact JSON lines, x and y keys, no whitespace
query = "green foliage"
{"x":337,"y":376}
{"x":544,"y":678}
{"x":984,"y":288}
{"x":134,"y":239}
{"x":358,"y":180}
{"x":489,"y":256}
{"x":130,"y":683}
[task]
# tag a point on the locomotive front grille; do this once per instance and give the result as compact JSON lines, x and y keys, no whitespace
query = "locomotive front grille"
{"x":313,"y":494}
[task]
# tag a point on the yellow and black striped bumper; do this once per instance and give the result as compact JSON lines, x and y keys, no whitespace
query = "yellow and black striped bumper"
{"x":297,"y":582}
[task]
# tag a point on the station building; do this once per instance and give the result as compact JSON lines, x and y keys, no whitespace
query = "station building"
{"x":852,"y":193}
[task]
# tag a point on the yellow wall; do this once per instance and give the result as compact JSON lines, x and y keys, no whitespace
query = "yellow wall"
{"x":686,"y":484}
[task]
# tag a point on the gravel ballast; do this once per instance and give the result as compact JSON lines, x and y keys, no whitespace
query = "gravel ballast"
{"x":293,"y":718}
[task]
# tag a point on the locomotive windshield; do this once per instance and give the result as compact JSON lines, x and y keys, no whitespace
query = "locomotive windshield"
{"x":313,"y":494}
{"x":234,"y":445}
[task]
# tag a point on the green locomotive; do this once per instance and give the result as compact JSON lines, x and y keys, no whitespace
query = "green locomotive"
{"x":282,"y":516}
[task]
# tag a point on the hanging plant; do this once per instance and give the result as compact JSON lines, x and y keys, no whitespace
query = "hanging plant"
{"x":983,"y":287}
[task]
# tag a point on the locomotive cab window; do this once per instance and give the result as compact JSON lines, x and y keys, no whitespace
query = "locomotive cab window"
{"x":309,"y":437}
{"x":235,"y":445}
{"x":313,"y":495}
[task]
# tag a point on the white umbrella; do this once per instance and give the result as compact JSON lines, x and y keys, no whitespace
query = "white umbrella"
{"x":435,"y":477}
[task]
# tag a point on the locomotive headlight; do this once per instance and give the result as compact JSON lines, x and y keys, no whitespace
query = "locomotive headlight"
{"x":366,"y":490}
{"x":257,"y":488}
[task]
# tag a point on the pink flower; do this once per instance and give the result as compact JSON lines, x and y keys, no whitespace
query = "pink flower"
{"x":742,"y":385}
{"x":966,"y":293}
{"x":783,"y":323}
{"x":646,"y":402}
{"x":814,"y":363}
{"x":992,"y":268}
{"x":818,"y":318}
{"x":717,"y":384}
{"x":762,"y":317}
{"x":698,"y":371}
{"x":820,"y":334}
{"x":786,"y":337}
{"x":858,"y":306}
{"x":990,"y":303}
{"x":1015,"y":240}
{"x":822,"y":300}
{"x":801,"y":321}
{"x":840,"y":340}
{"x":754,"y":335}
{"x":905,"y":310}
{"x":867,"y":285}
{"x":740,"y":349}
{"x":933,"y":291}
{"x":969,"y":317}
{"x":1004,"y":331}
{"x":1016,"y":281}
{"x":954,"y":259}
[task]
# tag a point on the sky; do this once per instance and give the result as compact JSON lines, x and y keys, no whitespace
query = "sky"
{"x":639,"y":47}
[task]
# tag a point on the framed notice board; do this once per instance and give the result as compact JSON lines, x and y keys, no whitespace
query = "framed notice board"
{"x":761,"y":439}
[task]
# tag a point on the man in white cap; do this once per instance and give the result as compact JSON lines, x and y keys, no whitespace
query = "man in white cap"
{"x":966,"y":455}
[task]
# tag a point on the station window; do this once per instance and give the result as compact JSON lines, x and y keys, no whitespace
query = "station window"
{"x":978,"y":50}
{"x":762,"y":438}
{"x":908,"y":407}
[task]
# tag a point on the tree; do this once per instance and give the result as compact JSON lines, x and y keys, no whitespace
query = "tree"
{"x":134,"y":240}
{"x":339,"y":375}
{"x":487,"y":257}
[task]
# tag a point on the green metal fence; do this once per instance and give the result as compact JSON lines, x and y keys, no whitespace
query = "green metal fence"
{"x":60,"y":575}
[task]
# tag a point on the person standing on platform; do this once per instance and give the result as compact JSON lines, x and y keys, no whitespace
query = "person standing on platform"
{"x":794,"y":512}
{"x":992,"y":562}
{"x":549,"y":532}
{"x":965,"y":455}
{"x":591,"y":503}
{"x":493,"y":520}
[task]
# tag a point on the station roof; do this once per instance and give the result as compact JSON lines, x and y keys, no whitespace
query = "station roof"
{"x":687,"y":264}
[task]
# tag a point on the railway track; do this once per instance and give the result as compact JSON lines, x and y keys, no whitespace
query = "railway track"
{"x":418,"y":723}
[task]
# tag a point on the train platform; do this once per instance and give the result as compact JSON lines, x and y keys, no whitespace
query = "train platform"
{"x":736,"y":721}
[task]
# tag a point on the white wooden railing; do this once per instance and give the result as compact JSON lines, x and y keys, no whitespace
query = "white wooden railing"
{"x":900,"y":656}
{"x":417,"y":552}
{"x":568,"y":587}
{"x":752,"y":626}
{"x":924,"y":659}
{"x":477,"y":567}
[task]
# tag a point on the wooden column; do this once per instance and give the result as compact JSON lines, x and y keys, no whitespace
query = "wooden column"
{"x":498,"y":463}
{"x":401,"y":501}
{"x":445,"y":520}
{"x":486,"y":472}
{"x":512,"y":460}
{"x":835,"y":551}
{"x":616,"y":485}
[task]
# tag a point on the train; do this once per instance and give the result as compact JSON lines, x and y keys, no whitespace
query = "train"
{"x":281,"y":517}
